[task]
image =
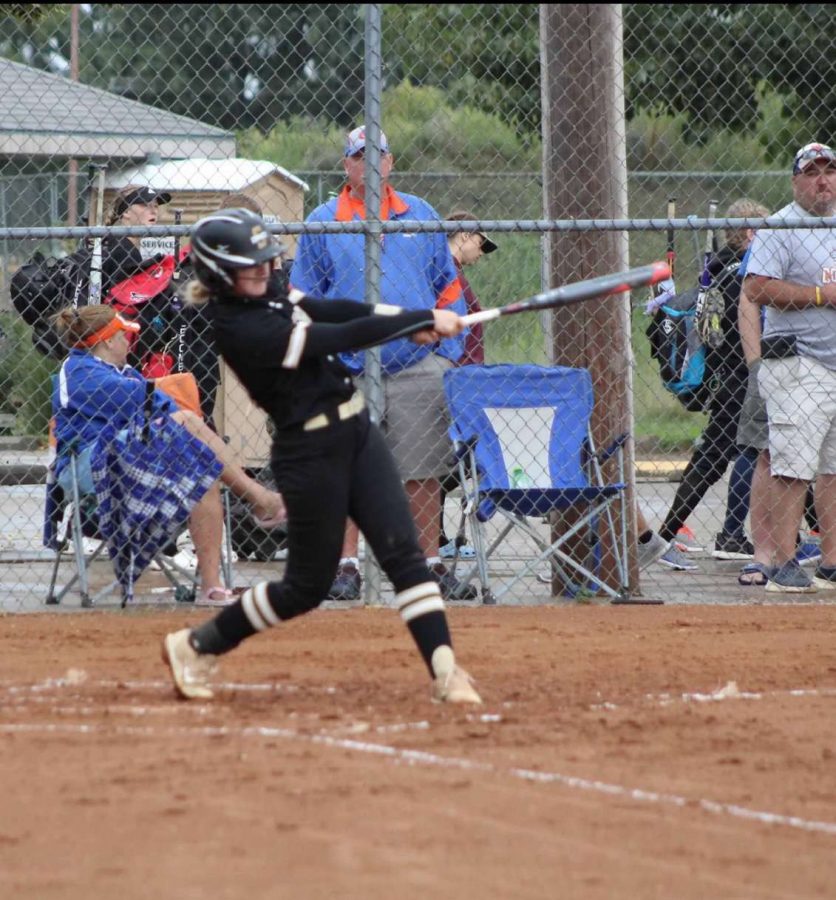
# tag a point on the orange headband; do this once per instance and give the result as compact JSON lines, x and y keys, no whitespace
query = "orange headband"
{"x":117,"y":323}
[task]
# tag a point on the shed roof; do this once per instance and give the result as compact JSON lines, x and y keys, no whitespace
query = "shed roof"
{"x":201,"y":174}
{"x":42,"y":114}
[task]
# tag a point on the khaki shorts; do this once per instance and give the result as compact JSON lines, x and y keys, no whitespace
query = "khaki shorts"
{"x":753,"y":427}
{"x":416,"y":419}
{"x":800,"y":396}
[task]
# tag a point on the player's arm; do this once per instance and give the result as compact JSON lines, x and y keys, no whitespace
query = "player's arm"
{"x":321,"y":338}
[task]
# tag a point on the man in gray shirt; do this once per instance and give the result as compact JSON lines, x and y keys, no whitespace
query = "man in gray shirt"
{"x":792,"y":272}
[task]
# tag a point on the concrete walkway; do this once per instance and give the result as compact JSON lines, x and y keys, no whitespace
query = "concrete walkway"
{"x":25,"y":566}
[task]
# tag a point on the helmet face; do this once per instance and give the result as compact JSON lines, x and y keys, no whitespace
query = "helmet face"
{"x":231,"y":239}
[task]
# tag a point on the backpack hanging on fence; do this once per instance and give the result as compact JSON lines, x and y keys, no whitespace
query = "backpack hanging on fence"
{"x":676,"y":346}
{"x":43,"y":286}
{"x":685,"y":335}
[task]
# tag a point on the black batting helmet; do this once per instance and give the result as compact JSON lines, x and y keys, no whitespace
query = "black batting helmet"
{"x":227,"y":240}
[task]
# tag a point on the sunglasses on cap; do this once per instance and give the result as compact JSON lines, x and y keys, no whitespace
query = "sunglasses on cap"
{"x":811,"y":153}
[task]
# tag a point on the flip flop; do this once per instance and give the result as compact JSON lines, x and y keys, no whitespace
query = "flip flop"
{"x":753,"y":575}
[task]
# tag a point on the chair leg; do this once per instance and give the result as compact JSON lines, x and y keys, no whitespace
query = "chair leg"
{"x":51,"y":598}
{"x":226,"y":550}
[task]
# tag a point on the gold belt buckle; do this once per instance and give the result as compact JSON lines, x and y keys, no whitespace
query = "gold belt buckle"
{"x":346,"y":410}
{"x":351,"y":407}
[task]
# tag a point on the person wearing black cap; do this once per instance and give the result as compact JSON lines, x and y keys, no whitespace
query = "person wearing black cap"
{"x":466,"y":248}
{"x":121,"y":257}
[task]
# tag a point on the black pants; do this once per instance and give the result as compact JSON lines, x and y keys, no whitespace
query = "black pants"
{"x":717,"y":448}
{"x":325,"y":476}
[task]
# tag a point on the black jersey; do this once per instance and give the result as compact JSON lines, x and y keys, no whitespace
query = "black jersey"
{"x":286,"y":354}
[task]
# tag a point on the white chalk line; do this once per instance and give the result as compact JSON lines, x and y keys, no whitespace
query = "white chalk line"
{"x":729,"y":692}
{"x":425,"y":758}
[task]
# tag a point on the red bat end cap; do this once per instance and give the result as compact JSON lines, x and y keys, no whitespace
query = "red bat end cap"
{"x":661,"y":271}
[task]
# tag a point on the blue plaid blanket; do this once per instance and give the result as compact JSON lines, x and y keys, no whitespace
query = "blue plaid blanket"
{"x":147,"y":482}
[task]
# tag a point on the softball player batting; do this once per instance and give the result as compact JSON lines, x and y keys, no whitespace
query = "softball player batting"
{"x":328,"y":459}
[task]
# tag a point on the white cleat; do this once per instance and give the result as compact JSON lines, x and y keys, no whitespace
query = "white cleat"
{"x":190,"y":670}
{"x":455,"y":687}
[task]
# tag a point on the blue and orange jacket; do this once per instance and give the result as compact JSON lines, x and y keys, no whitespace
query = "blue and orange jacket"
{"x":418,"y":271}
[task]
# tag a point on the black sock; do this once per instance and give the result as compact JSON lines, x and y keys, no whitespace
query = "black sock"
{"x":645,"y":536}
{"x":430,"y":632}
{"x":223,"y":633}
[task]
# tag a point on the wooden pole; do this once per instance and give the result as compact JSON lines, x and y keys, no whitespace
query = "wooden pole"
{"x":585,"y":176}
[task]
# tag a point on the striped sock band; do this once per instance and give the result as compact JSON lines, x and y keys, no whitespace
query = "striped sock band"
{"x":419,"y":600}
{"x":256,"y":606}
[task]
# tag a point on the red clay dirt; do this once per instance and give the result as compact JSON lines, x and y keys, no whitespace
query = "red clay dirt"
{"x":675,"y":752}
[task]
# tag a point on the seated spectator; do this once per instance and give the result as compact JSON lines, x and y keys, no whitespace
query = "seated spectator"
{"x":96,"y":391}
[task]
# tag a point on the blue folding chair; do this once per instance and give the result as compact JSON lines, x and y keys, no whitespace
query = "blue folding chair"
{"x":525,"y":429}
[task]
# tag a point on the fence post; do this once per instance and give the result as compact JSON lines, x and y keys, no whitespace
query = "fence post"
{"x":585,"y":176}
{"x":373,"y":370}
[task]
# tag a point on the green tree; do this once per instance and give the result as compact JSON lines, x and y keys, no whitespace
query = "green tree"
{"x":231,"y":65}
{"x":486,"y":56}
{"x":711,"y":61}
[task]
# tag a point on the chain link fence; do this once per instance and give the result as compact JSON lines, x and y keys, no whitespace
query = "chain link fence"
{"x":495,"y":114}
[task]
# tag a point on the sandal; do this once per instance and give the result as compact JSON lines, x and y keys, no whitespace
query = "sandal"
{"x":216,"y":596}
{"x":753,"y":575}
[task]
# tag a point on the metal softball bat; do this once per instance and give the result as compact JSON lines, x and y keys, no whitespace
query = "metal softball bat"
{"x":577,"y":292}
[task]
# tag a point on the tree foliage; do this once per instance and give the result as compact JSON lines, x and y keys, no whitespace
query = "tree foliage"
{"x":716,"y":62}
{"x":255,"y":66}
{"x":231,"y":65}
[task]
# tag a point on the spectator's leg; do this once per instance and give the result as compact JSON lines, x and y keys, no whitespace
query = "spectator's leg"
{"x":424,"y":502}
{"x":709,"y":460}
{"x":740,"y":489}
{"x":787,"y":495}
{"x":826,"y":508}
{"x":206,"y":529}
{"x":265,"y":503}
{"x":760,"y":509}
{"x":810,"y":510}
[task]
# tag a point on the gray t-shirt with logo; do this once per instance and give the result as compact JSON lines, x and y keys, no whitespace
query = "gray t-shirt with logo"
{"x":802,"y":256}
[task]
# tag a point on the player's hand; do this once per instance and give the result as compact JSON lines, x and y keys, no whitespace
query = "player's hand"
{"x":447,"y":324}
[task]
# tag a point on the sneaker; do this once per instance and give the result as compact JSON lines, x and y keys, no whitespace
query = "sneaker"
{"x":652,"y":550}
{"x":347,"y":584}
{"x":673,"y":559}
{"x":191,"y":671}
{"x":455,"y":687}
{"x":808,"y":553}
{"x":451,"y":587}
{"x":825,"y":578}
{"x":732,"y":546}
{"x":451,"y":550}
{"x":686,"y":541}
{"x":790,"y":579}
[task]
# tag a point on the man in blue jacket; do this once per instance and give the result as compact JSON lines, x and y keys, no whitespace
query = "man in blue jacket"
{"x":417,"y":272}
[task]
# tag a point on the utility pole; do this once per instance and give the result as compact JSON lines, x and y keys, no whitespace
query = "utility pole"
{"x":585,"y":176}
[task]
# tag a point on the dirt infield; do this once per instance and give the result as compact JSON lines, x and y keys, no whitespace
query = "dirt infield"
{"x":621,"y":753}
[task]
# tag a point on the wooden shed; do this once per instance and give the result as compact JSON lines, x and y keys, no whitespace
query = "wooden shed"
{"x":197,"y":187}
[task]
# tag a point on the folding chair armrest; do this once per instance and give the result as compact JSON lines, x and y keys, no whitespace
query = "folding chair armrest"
{"x":614,"y":447}
{"x":461,"y":448}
